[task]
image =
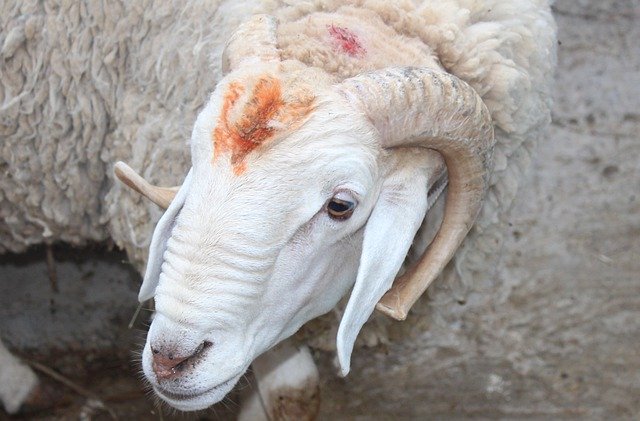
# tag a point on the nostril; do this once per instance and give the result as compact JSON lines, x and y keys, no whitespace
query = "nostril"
{"x":203,"y":346}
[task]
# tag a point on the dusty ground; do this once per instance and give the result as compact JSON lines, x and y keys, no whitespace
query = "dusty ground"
{"x":555,"y":335}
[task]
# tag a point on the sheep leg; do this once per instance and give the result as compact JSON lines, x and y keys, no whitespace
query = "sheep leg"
{"x":286,"y":387}
{"x":17,"y":381}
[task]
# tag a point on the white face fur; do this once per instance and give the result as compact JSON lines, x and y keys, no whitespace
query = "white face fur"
{"x":243,"y":258}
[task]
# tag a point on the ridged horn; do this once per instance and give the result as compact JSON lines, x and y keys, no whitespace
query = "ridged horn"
{"x":436,"y":110}
{"x":255,"y":38}
{"x":161,"y":196}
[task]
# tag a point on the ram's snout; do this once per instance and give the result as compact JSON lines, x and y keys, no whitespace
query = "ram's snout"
{"x":169,"y":363}
{"x":175,"y":353}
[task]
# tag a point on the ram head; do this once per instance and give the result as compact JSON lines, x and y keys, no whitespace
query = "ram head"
{"x":302,"y":187}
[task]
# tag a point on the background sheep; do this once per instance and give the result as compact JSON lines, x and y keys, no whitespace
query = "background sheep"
{"x":456,"y":53}
{"x":497,"y":387}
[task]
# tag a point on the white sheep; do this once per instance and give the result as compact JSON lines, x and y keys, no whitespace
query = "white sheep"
{"x":503,"y":50}
{"x":296,"y":191}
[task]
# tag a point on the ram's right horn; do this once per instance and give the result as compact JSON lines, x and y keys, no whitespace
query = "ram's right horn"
{"x":161,"y":196}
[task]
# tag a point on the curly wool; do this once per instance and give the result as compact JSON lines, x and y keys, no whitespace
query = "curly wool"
{"x":84,"y":85}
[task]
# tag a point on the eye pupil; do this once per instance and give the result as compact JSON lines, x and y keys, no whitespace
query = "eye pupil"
{"x":340,"y":209}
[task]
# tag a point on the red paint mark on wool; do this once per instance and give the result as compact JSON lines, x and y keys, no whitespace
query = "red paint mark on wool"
{"x":346,"y":40}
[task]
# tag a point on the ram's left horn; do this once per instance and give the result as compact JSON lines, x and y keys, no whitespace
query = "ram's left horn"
{"x":161,"y":196}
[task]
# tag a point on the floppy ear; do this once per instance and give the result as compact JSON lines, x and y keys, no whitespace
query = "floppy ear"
{"x":158,"y":245}
{"x":412,"y":184}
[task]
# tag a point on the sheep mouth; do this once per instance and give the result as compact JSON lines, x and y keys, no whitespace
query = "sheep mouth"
{"x":198,"y":400}
{"x":187,"y":396}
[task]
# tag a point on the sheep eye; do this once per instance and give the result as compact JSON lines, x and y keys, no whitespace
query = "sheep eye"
{"x":340,"y":209}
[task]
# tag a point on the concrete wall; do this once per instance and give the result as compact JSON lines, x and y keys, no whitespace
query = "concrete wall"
{"x":555,"y":334}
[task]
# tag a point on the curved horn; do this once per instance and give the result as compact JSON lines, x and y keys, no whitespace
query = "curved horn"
{"x":161,"y":196}
{"x":436,"y":110}
{"x":255,"y":38}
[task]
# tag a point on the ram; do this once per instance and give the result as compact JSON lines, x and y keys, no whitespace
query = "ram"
{"x":330,"y":134}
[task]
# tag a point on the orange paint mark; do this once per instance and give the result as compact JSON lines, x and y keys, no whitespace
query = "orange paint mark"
{"x":264,"y":114}
{"x":222,"y":132}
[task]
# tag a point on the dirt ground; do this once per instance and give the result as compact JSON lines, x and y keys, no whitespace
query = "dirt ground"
{"x":82,"y":331}
{"x":554,"y":336}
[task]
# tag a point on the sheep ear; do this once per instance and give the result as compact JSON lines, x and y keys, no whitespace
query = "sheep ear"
{"x":388,"y":235}
{"x":158,"y":245}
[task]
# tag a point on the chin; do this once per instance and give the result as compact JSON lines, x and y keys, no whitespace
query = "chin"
{"x":199,"y":400}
